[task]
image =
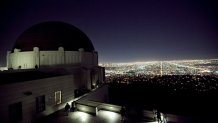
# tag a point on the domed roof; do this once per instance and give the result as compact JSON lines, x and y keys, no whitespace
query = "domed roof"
{"x":51,"y":36}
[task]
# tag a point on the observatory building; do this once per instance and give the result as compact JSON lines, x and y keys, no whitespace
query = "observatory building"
{"x":51,"y":44}
{"x":51,"y":63}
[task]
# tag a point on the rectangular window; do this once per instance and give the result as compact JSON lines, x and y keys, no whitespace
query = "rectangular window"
{"x":15,"y":112}
{"x":58,"y":97}
{"x":40,"y":103}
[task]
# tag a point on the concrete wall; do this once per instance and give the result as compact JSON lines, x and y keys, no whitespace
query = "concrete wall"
{"x":95,"y":60}
{"x":3,"y":68}
{"x":87,"y":59}
{"x":48,"y":58}
{"x":24,"y":60}
{"x":13,"y":93}
{"x":99,"y":95}
{"x":101,"y":73}
{"x":72,"y":57}
{"x":29,"y":59}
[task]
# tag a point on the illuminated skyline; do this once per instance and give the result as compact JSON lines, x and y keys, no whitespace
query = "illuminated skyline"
{"x":157,"y":68}
{"x":124,"y":31}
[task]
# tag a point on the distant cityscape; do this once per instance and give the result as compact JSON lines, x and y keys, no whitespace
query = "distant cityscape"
{"x":184,"y":75}
{"x":159,"y":68}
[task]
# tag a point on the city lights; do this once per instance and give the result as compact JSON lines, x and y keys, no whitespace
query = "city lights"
{"x":179,"y":67}
{"x":195,"y":76}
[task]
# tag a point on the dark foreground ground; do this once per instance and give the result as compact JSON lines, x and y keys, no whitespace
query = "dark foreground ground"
{"x":186,"y":103}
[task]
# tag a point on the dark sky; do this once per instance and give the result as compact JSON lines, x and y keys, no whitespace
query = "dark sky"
{"x":124,"y":30}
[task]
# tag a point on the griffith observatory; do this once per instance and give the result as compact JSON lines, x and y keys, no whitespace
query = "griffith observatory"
{"x":50,"y":64}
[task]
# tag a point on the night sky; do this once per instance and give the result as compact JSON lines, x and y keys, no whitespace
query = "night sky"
{"x":125,"y":30}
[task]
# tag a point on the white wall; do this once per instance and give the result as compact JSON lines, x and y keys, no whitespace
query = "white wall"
{"x":72,"y":57}
{"x":48,"y":58}
{"x":29,"y":59}
{"x":24,"y":59}
{"x":13,"y":93}
{"x":3,"y":68}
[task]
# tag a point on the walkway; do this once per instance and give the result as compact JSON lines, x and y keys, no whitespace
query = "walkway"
{"x":81,"y":117}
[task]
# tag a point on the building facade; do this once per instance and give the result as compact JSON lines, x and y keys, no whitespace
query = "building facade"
{"x":49,"y":64}
{"x":36,"y":58}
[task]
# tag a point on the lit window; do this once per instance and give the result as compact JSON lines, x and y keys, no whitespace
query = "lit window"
{"x":58,"y":97}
